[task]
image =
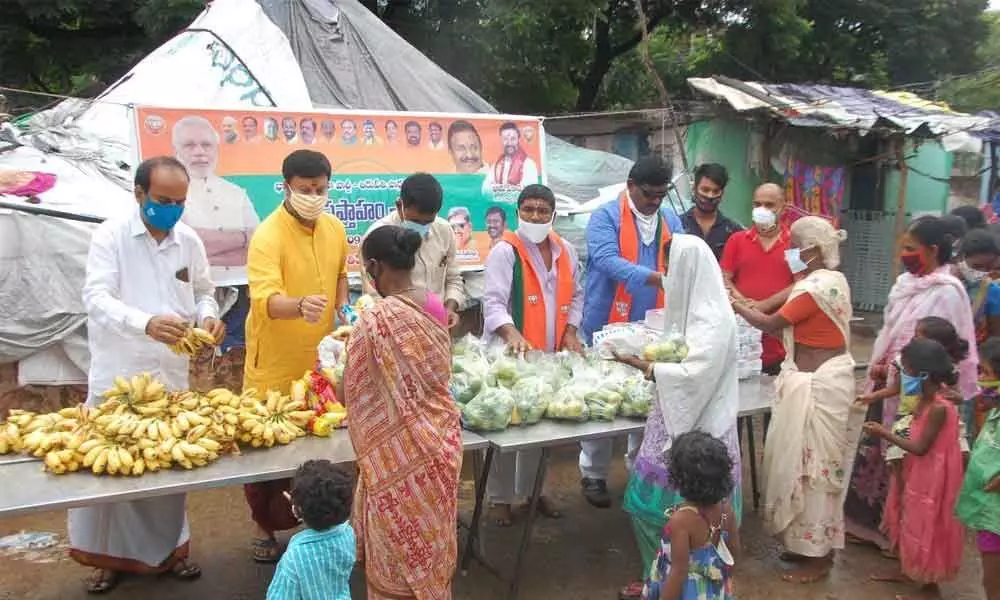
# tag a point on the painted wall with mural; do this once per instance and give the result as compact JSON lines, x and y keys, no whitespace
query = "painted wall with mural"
{"x":235,"y":156}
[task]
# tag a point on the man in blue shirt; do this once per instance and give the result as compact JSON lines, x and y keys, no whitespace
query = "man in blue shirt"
{"x":625,"y":243}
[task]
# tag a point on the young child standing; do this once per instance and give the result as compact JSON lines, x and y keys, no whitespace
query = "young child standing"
{"x":919,"y":514}
{"x":318,"y":562}
{"x":700,"y":540}
{"x":979,"y":503}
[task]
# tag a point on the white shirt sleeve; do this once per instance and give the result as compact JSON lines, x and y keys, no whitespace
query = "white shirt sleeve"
{"x":102,"y":287}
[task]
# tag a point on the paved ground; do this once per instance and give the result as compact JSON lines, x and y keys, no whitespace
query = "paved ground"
{"x":587,"y":555}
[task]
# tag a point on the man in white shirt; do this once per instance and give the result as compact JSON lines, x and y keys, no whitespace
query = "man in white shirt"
{"x":219,"y":211}
{"x":420,"y":199}
{"x":147,"y":281}
{"x":514,"y":167}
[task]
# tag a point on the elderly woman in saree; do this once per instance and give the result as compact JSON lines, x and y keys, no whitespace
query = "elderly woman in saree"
{"x":927,"y":288}
{"x":700,"y":393}
{"x":405,"y":429}
{"x":815,"y":424}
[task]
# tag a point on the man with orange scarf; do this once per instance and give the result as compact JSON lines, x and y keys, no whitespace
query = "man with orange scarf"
{"x":625,"y":240}
{"x":533,"y":300}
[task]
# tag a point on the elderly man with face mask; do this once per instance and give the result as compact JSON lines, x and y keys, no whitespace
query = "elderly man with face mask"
{"x":147,"y":282}
{"x":754,"y":267}
{"x":625,"y":240}
{"x":298,"y":282}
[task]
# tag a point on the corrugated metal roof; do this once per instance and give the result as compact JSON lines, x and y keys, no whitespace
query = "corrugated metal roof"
{"x":850,"y":108}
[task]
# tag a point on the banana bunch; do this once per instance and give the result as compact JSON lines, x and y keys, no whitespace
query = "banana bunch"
{"x":277,"y":419}
{"x":141,"y":395}
{"x":193,"y":341}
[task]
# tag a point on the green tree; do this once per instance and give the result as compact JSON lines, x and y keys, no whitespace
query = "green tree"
{"x":979,"y":90}
{"x":64,"y":46}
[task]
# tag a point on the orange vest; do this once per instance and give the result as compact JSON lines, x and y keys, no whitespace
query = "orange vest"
{"x":527,"y":301}
{"x":628,"y":246}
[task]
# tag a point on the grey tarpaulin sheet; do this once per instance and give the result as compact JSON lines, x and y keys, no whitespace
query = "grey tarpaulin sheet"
{"x":351,"y":59}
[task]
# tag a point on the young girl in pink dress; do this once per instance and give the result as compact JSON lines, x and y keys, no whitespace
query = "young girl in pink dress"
{"x":919,"y":515}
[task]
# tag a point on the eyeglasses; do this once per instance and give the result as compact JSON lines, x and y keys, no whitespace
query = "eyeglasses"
{"x":651,"y":194}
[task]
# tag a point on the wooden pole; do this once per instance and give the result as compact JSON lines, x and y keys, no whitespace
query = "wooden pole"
{"x":904,"y":172}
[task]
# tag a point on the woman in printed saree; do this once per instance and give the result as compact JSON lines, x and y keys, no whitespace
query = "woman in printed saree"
{"x":815,"y":424}
{"x":927,"y":288}
{"x":405,"y":430}
{"x":700,"y":393}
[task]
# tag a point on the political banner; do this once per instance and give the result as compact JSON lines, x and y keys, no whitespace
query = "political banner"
{"x":234,"y":159}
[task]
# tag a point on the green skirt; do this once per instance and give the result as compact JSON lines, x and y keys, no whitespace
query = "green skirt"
{"x":648,"y":501}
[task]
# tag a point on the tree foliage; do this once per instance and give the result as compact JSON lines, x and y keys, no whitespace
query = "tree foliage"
{"x":549,"y":56}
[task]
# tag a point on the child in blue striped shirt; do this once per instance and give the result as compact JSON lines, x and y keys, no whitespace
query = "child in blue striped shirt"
{"x":318,"y":562}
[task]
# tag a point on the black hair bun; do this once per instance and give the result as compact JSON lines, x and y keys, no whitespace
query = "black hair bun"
{"x":408,"y":241}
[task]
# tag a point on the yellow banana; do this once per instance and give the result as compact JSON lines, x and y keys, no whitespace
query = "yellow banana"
{"x":150,"y":454}
{"x":114,"y":462}
{"x":154,"y":465}
{"x":125,"y":458}
{"x":209,"y":444}
{"x":100,"y":463}
{"x":138,"y":467}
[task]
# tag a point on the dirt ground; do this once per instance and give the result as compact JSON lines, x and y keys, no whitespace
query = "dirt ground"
{"x":586,"y":555}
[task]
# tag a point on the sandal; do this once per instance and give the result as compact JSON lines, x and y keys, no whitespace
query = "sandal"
{"x":186,"y":571}
{"x":632,"y":591}
{"x":265,"y":551}
{"x":102,"y":582}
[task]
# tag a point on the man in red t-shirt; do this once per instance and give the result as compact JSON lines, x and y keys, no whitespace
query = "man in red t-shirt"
{"x":753,"y":264}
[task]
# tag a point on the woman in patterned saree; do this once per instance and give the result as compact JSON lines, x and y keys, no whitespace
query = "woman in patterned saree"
{"x":405,"y":430}
{"x":926,"y":289}
{"x":815,"y":424}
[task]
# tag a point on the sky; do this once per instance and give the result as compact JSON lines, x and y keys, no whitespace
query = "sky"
{"x":994,"y":4}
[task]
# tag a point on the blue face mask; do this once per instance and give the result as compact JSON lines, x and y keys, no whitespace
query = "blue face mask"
{"x":424,"y":229}
{"x":161,"y":216}
{"x":793,"y":256}
{"x":911,"y":385}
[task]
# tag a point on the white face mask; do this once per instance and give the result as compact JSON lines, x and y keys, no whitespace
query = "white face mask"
{"x":971,"y":275}
{"x":793,"y":256}
{"x":764,"y":218}
{"x":307,"y":206}
{"x":534,"y":232}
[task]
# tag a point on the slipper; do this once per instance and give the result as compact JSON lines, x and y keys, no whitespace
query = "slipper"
{"x":102,"y":582}
{"x":265,"y":551}
{"x":632,"y":591}
{"x":186,"y":571}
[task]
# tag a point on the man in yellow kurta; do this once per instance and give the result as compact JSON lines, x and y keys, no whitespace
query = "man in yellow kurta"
{"x":297,"y":271}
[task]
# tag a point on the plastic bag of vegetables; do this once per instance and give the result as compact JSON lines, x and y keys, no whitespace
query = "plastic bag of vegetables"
{"x":568,"y":404}
{"x":532,"y":396}
{"x":490,"y":410}
{"x":637,"y":397}
{"x":604,"y":400}
{"x":625,"y":339}
{"x":465,"y":386}
{"x":672,"y":348}
{"x":506,"y":369}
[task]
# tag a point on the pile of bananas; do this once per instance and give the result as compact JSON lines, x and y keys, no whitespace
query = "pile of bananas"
{"x":275,"y":419}
{"x":193,"y":341}
{"x":140,"y":427}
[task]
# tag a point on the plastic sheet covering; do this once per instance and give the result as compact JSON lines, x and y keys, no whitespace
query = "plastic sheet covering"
{"x":351,"y":59}
{"x":43,"y":264}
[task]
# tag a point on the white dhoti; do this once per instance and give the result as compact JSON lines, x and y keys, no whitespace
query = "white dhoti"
{"x":144,"y":536}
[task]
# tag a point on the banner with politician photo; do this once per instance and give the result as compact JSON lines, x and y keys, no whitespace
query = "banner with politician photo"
{"x":234,"y":159}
